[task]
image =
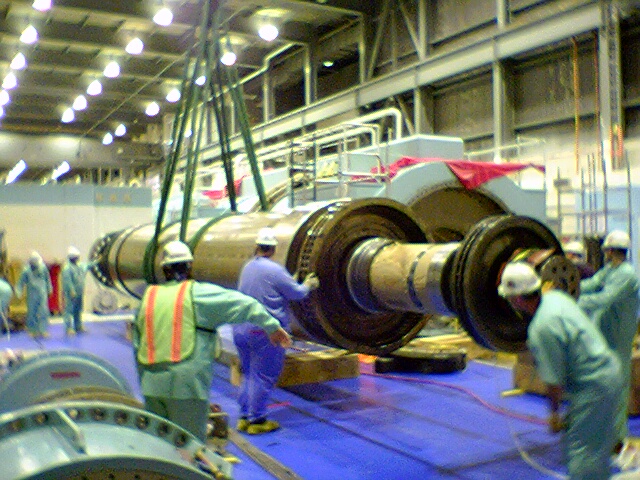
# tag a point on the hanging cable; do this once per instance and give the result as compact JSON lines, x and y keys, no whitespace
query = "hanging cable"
{"x":576,"y":100}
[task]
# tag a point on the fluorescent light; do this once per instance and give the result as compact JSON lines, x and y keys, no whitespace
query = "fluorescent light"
{"x":228,"y":58}
{"x":94,"y":88}
{"x":29,"y":35}
{"x":135,"y":46}
{"x":4,"y":98}
{"x":112,"y":70}
{"x":10,"y":81}
{"x":60,"y":170}
{"x":68,"y":116}
{"x":19,"y":61}
{"x":152,"y":109}
{"x":120,"y":130}
{"x":80,"y":103}
{"x":107,"y":139}
{"x":163,"y":17}
{"x":42,"y":5}
{"x":173,"y":96}
{"x":268,"y":32}
{"x":16,"y":171}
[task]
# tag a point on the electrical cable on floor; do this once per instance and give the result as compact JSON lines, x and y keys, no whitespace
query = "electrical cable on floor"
{"x":500,"y":410}
{"x":524,"y":455}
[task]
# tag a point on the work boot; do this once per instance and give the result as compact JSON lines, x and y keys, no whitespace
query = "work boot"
{"x":262,"y":427}
{"x":70,"y":332}
{"x":44,"y":335}
{"x":242,"y":424}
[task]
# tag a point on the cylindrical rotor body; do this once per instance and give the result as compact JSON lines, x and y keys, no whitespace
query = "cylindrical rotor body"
{"x":378,"y":274}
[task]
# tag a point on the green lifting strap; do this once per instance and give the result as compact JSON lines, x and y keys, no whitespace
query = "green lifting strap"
{"x":186,"y":99}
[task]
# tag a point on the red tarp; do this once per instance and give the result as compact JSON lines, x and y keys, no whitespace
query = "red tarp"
{"x":220,"y":194}
{"x":470,"y":174}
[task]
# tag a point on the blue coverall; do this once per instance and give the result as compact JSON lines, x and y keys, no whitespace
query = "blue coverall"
{"x":569,"y":351}
{"x":38,"y":284}
{"x":610,"y":298}
{"x":6,"y":292}
{"x":73,"y":275}
{"x":180,"y":391}
{"x":261,"y":362}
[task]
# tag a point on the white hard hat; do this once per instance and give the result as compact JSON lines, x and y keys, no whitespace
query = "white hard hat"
{"x":617,"y":239}
{"x":35,"y":258}
{"x":576,"y":248}
{"x":267,"y":236}
{"x":518,"y":278}
{"x":73,"y":252}
{"x":176,"y":252}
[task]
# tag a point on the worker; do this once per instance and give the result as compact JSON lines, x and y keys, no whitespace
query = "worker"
{"x":610,"y":298}
{"x":576,"y":252}
{"x":573,"y":358}
{"x":174,"y":338}
{"x":260,"y":361}
{"x":6,"y":292}
{"x":35,"y":278}
{"x":73,"y":275}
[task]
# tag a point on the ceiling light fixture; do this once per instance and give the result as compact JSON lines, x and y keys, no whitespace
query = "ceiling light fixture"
{"x":200,"y":80}
{"x":80,"y":103}
{"x":15,"y":172}
{"x":120,"y":130}
{"x":42,"y":5}
{"x":10,"y":81}
{"x":112,"y":70}
{"x":107,"y":139}
{"x":152,"y":109}
{"x":4,"y":98}
{"x":268,"y":32}
{"x":68,"y":116}
{"x":228,"y":58}
{"x":94,"y":88}
{"x":163,"y":17}
{"x":135,"y":46}
{"x":173,"y":96}
{"x":327,"y":63}
{"x":18,"y":62}
{"x":60,"y":170}
{"x":29,"y":35}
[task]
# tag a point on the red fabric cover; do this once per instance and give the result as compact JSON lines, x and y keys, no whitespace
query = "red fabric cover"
{"x":470,"y":174}
{"x":220,"y":194}
{"x":55,"y":301}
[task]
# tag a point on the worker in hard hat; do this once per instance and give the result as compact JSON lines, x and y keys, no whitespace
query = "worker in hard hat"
{"x":174,"y":338}
{"x":73,"y":275}
{"x":573,"y":360}
{"x":260,"y":361}
{"x":576,"y":252}
{"x":610,"y":298}
{"x":6,"y":292}
{"x":37,"y":282}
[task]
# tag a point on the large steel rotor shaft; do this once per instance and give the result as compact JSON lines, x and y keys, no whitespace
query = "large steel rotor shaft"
{"x":379,"y":275}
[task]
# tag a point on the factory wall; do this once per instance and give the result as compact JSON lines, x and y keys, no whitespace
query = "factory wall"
{"x":50,"y":218}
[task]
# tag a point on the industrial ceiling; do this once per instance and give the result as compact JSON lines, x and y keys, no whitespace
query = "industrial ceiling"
{"x":76,"y":39}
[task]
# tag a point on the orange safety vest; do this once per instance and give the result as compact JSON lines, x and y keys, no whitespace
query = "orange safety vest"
{"x":167,"y":324}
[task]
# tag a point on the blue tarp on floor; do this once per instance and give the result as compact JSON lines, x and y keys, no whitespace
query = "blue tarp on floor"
{"x":418,"y":426}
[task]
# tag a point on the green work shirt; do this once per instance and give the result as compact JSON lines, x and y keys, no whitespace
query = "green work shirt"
{"x":568,"y":348}
{"x":192,"y":378}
